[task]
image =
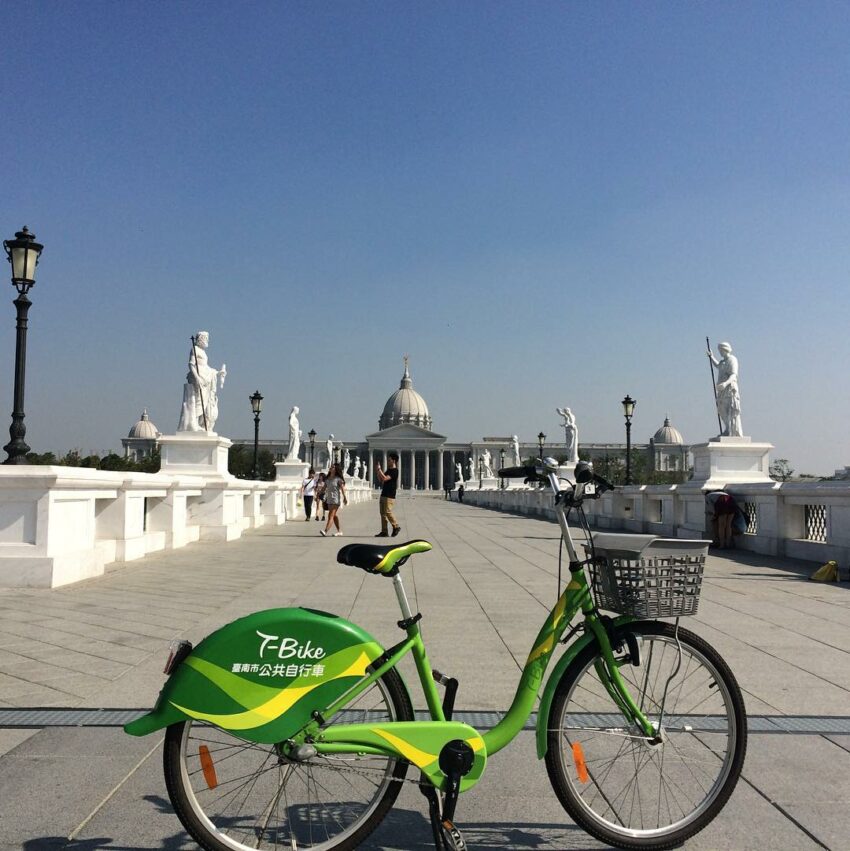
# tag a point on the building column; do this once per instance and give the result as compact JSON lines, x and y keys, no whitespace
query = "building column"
{"x":384,"y":461}
{"x":370,"y":472}
{"x":440,"y":471}
{"x":413,"y":469}
{"x":427,"y":469}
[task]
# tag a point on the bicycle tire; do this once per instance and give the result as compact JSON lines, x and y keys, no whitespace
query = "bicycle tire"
{"x":689,"y":742}
{"x":220,"y":831}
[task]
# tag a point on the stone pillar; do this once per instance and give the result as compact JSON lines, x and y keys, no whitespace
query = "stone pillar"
{"x":427,"y":469}
{"x":384,"y":461}
{"x":370,"y":470}
{"x":440,"y":469}
{"x":413,"y":469}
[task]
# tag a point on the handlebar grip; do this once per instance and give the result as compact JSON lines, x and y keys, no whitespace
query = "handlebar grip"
{"x":517,"y":472}
{"x":603,"y":482}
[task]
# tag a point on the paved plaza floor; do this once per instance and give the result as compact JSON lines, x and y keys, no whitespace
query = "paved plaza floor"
{"x":484,"y":590}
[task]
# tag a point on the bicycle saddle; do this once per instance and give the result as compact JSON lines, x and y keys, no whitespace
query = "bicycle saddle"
{"x":383,"y":560}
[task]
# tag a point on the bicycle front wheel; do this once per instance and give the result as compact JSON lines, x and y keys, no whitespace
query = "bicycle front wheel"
{"x":236,"y":795}
{"x":623,"y":788}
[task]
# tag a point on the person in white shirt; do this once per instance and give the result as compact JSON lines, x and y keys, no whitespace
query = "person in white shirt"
{"x":308,"y":489}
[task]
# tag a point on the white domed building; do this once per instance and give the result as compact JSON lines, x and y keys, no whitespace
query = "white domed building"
{"x":405,"y":406}
{"x":405,"y":427}
{"x":142,"y":439}
{"x":668,"y":452}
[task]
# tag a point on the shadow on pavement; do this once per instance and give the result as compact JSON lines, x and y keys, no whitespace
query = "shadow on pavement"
{"x":401,"y":830}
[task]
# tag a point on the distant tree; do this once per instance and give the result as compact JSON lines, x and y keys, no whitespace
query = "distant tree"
{"x":44,"y":458}
{"x":71,"y":458}
{"x":240,"y":461}
{"x":781,"y":470}
{"x":113,"y":461}
{"x":150,"y":464}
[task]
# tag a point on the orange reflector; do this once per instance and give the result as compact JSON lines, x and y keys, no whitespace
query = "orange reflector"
{"x":581,"y":765}
{"x":207,"y":766}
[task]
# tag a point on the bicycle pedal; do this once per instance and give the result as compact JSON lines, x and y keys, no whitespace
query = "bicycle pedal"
{"x":452,"y":837}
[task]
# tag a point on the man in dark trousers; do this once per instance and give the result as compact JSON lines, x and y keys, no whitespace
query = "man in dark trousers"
{"x":389,"y":488}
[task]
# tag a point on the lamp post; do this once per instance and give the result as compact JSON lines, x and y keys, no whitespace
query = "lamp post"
{"x":256,"y":407}
{"x":480,"y":472}
{"x":628,"y":409}
{"x":540,"y":438}
{"x":23,"y":253}
{"x":312,"y":435}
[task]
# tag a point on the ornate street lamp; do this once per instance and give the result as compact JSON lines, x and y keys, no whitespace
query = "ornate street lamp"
{"x":540,"y":438}
{"x":23,"y":253}
{"x":256,"y":407}
{"x":628,"y":409}
{"x":502,"y":466}
{"x":480,"y":472}
{"x":312,"y":435}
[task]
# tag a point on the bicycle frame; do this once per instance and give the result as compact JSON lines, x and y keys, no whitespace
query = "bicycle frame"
{"x":401,"y":738}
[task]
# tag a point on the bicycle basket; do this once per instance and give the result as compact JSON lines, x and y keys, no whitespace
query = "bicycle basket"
{"x":656,"y":585}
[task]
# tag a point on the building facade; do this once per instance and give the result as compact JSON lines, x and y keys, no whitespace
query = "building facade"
{"x":428,"y":460}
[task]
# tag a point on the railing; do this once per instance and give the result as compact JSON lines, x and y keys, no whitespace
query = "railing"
{"x":62,"y":524}
{"x":795,"y":519}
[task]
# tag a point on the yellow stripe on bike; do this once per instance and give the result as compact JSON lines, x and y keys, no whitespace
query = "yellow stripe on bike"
{"x":271,"y":709}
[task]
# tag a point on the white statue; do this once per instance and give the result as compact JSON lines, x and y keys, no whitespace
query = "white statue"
{"x":355,"y":472}
{"x":200,"y":392}
{"x":330,"y":448}
{"x":515,"y":443}
{"x":459,"y":472}
{"x":570,"y":433}
{"x":487,"y":461}
{"x":471,"y":469}
{"x":346,"y":462}
{"x":294,"y":435}
{"x":728,"y":396}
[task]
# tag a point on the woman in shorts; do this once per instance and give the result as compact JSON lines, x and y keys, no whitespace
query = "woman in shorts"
{"x":334,"y":496}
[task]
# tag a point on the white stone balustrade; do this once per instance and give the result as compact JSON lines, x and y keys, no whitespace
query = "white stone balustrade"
{"x":63,"y":524}
{"x":801,"y":520}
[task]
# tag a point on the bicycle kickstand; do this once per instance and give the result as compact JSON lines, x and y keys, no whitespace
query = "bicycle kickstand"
{"x":456,"y":760}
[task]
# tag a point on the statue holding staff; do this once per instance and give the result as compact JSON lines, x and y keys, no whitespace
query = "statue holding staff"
{"x":200,"y":392}
{"x":727,"y":393}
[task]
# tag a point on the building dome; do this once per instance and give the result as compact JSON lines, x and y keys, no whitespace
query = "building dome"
{"x":668,"y":434}
{"x":405,"y":406}
{"x":144,"y":429}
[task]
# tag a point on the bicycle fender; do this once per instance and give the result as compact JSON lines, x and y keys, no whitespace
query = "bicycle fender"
{"x":262,"y":676}
{"x":555,"y":677}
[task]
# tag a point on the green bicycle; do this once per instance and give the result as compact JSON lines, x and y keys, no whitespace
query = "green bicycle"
{"x":292,"y":728}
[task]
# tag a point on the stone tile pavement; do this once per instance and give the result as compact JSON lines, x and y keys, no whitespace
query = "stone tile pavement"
{"x":485,"y":587}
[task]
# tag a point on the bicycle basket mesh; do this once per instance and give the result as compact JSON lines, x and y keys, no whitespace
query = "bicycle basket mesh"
{"x":659,"y":587}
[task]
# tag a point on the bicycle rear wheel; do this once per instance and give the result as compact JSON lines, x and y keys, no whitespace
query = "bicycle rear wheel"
{"x":611,"y":779}
{"x":236,"y":795}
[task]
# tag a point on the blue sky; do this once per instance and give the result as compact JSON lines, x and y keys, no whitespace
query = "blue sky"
{"x":543,"y":204}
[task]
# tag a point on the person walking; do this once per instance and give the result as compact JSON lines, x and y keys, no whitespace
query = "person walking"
{"x":308,"y":490}
{"x":319,"y":495}
{"x":334,"y":496}
{"x":389,"y":488}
